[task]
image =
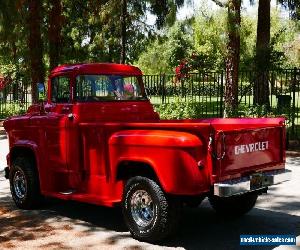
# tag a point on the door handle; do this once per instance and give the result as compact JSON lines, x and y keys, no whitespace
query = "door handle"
{"x":71,"y":116}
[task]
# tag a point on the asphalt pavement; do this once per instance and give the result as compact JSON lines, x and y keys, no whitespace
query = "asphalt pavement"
{"x":72,"y":225}
{"x":3,"y":151}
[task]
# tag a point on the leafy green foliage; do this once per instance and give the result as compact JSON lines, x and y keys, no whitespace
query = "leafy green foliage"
{"x":12,"y":109}
{"x":210,"y":39}
{"x":178,"y":110}
{"x":164,"y":53}
{"x":206,"y":43}
{"x":254,"y":111}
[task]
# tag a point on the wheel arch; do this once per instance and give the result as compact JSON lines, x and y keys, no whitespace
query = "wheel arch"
{"x":130,"y":168}
{"x":21,"y":151}
{"x":29,"y":151}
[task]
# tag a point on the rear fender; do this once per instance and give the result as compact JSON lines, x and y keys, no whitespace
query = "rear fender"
{"x":172,"y":155}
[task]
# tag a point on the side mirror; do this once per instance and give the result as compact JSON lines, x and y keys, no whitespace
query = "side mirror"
{"x":41,"y":92}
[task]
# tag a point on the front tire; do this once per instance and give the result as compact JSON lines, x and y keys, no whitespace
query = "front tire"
{"x":24,"y":183}
{"x":233,"y":206}
{"x":149,"y":215}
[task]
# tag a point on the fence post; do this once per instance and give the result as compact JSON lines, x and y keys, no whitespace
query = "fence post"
{"x":294,"y":100}
{"x":221,"y":94}
{"x":163,"y":88}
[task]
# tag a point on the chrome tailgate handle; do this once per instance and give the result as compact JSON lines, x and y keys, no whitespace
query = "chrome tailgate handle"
{"x":222,"y":154}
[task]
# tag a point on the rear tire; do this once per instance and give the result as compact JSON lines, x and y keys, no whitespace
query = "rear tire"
{"x":24,"y":183}
{"x":233,"y":206}
{"x":149,"y":215}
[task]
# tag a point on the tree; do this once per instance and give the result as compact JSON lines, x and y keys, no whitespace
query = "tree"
{"x":35,"y":45}
{"x":210,"y":39}
{"x":13,"y":43}
{"x":165,"y":11}
{"x":262,"y":58}
{"x":233,"y":55}
{"x":54,"y":32}
{"x":123,"y":30}
{"x":233,"y":58}
{"x":166,"y":52}
{"x":293,"y":6}
{"x":263,"y":49}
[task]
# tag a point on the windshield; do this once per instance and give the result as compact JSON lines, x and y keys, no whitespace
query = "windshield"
{"x":108,"y":87}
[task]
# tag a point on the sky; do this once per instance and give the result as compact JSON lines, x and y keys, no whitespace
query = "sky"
{"x":188,"y":10}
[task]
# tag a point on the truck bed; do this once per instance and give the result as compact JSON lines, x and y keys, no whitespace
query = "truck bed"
{"x":242,"y":146}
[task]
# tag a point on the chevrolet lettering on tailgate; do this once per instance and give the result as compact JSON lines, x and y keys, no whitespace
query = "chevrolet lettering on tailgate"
{"x":252,"y":147}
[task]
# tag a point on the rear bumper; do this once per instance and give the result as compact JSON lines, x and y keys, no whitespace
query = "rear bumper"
{"x":254,"y":182}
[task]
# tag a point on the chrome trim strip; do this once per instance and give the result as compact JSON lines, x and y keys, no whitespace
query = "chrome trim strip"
{"x":243,"y":185}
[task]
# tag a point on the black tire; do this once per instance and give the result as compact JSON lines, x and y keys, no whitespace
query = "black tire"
{"x":233,"y":206}
{"x":149,"y":215}
{"x":24,"y":183}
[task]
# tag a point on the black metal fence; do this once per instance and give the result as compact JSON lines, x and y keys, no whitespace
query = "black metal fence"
{"x":15,"y":98}
{"x":204,"y":88}
{"x":208,"y":89}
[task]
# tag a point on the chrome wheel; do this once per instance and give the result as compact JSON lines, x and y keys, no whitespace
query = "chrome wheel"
{"x":142,"y":208}
{"x":19,"y":184}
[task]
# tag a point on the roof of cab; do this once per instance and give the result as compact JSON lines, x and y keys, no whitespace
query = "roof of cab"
{"x":99,"y":68}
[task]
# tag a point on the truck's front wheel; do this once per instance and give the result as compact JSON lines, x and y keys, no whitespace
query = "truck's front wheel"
{"x":235,"y":205}
{"x":149,"y":215}
{"x":24,"y":183}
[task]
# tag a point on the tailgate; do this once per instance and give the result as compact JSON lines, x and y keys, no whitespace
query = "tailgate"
{"x":249,"y":150}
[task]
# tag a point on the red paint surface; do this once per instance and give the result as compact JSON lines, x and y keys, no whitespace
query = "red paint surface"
{"x":84,"y":152}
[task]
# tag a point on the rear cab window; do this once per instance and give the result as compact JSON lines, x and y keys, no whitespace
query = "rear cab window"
{"x":108,"y":87}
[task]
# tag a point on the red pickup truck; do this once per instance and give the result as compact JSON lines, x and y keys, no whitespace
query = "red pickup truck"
{"x":98,"y":140}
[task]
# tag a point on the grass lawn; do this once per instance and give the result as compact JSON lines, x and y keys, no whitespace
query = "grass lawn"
{"x":210,"y":106}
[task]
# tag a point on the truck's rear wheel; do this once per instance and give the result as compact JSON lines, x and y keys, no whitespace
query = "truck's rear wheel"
{"x":24,"y":183}
{"x":148,"y":214}
{"x":235,"y":205}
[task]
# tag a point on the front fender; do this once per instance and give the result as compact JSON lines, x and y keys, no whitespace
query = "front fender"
{"x":173,"y":156}
{"x":23,"y":144}
{"x":20,"y":145}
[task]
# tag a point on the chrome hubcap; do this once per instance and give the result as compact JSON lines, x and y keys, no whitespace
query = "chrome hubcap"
{"x":142,"y":208}
{"x":19,"y":183}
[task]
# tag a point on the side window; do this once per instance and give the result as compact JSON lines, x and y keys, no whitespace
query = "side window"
{"x":60,"y":89}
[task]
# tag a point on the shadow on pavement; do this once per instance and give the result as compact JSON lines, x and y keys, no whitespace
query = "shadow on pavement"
{"x":200,"y":228}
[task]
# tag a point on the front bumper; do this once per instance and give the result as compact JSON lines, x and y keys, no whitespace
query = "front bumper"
{"x":255,"y":182}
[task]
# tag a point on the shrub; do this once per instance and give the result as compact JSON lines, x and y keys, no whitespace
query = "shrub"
{"x":12,"y":109}
{"x":179,"y":109}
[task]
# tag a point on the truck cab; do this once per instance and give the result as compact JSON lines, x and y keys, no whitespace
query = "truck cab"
{"x":97,"y":139}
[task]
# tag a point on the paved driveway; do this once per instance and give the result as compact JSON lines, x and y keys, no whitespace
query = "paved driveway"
{"x":3,"y":151}
{"x":69,"y":225}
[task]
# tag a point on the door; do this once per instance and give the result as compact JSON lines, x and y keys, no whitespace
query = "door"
{"x":57,"y":133}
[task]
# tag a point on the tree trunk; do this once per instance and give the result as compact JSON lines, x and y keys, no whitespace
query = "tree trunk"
{"x":35,"y":46}
{"x":123,"y":31}
{"x":233,"y":58}
{"x":54,"y":32}
{"x":261,"y":85}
